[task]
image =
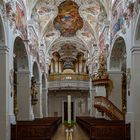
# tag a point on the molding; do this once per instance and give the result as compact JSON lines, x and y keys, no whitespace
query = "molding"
{"x":12,"y":118}
{"x":135,"y":49}
{"x":23,"y":71}
{"x":4,"y":48}
{"x":115,"y":72}
{"x":44,"y":89}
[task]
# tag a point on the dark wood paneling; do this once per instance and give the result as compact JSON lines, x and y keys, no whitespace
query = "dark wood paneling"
{"x":39,"y":129}
{"x":101,"y":129}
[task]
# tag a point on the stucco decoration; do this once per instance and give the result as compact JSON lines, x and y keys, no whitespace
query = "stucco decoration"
{"x":50,"y":33}
{"x":17,"y":17}
{"x":131,"y":11}
{"x":86,"y":33}
{"x":42,"y":13}
{"x":68,"y":20}
{"x":21,"y":19}
{"x":104,"y":42}
{"x":11,"y":13}
{"x":83,"y":15}
{"x":33,"y":42}
{"x":117,"y":19}
{"x":42,"y":60}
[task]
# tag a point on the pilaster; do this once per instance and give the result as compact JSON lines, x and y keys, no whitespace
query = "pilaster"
{"x":24,"y":95}
{"x":4,"y":93}
{"x":135,"y":92}
{"x":45,"y":102}
{"x":37,"y":109}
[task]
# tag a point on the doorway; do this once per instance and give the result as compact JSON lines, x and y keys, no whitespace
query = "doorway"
{"x":66,"y":111}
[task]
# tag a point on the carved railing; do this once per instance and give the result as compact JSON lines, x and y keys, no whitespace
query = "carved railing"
{"x":106,"y":106}
{"x":68,"y":81}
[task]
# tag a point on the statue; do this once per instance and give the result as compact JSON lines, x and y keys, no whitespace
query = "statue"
{"x":33,"y":91}
{"x":101,"y":62}
{"x":128,"y":76}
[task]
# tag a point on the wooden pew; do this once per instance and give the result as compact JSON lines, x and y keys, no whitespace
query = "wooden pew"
{"x":39,"y":129}
{"x":101,"y":129}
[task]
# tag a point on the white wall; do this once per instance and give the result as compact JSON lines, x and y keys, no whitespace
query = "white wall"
{"x":116,"y":95}
{"x":56,"y":104}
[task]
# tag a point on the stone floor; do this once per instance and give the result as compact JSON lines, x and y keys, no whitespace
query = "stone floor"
{"x":78,"y":134}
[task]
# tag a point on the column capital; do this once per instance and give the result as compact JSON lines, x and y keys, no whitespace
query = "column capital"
{"x":4,"y":49}
{"x":44,"y":88}
{"x":115,"y":72}
{"x":135,"y":49}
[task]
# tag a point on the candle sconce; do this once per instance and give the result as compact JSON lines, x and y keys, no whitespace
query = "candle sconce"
{"x":34,"y":99}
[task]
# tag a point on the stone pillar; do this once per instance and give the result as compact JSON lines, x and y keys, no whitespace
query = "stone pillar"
{"x":60,"y":66}
{"x":85,"y":67}
{"x":80,"y":64}
{"x":37,"y":109}
{"x":90,"y":100}
{"x":4,"y":93}
{"x":11,"y":99}
{"x":69,"y":108}
{"x":52,"y":67}
{"x":135,"y":94}
{"x":76,"y":67}
{"x":100,"y":91}
{"x":24,"y":95}
{"x":116,"y":95}
{"x":45,"y":102}
{"x":56,"y":65}
{"x":85,"y":106}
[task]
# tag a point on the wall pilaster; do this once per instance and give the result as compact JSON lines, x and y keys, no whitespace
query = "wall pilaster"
{"x":24,"y":95}
{"x":4,"y":93}
{"x":37,"y":109}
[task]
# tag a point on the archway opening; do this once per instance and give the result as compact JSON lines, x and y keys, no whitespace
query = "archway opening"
{"x":44,"y":97}
{"x":118,"y":63}
{"x":20,"y":65}
{"x":36,"y":72}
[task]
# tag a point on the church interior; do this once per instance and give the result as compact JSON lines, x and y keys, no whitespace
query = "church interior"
{"x":69,"y":69}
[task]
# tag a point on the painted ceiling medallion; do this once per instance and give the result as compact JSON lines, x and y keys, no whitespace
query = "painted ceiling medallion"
{"x":68,"y":20}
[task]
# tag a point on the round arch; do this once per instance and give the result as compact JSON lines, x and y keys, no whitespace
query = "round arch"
{"x":118,"y":62}
{"x":118,"y":55}
{"x":37,"y":108}
{"x":36,"y":71}
{"x":44,"y":96}
{"x":20,"y":54}
{"x":136,"y":36}
{"x":2,"y":32}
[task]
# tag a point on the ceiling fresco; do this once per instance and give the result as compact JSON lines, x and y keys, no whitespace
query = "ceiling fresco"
{"x":63,"y":23}
{"x":68,"y":20}
{"x":68,"y":51}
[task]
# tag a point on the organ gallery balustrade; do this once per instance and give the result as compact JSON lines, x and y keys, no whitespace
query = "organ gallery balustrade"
{"x":67,"y":76}
{"x":68,"y":81}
